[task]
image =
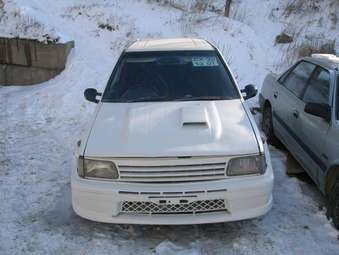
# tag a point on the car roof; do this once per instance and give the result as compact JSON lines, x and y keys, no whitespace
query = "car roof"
{"x":327,"y":63}
{"x":173,"y":44}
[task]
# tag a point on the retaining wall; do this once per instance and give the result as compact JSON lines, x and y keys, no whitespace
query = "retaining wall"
{"x":26,"y":61}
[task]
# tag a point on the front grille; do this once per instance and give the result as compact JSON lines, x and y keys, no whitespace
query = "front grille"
{"x":200,"y":206}
{"x":171,"y":170}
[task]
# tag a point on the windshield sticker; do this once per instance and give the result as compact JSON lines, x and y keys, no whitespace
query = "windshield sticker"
{"x":204,"y":61}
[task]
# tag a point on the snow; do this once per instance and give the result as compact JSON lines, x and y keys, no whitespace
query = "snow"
{"x":39,"y":127}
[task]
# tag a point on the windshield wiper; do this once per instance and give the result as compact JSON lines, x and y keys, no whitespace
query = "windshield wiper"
{"x":147,"y":99}
{"x":161,"y":99}
{"x":201,"y":98}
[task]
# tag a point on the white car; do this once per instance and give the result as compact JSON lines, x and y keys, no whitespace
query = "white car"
{"x":172,"y":142}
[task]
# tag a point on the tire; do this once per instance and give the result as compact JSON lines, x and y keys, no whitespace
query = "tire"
{"x":267,"y":126}
{"x":334,"y":205}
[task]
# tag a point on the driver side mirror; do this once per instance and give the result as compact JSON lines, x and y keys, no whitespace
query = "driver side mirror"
{"x":319,"y":110}
{"x":91,"y":95}
{"x":250,"y":91}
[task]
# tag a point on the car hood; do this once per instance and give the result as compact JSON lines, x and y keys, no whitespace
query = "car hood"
{"x":165,"y":129}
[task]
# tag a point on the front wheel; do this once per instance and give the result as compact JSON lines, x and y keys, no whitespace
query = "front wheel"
{"x":334,"y":205}
{"x":267,"y":126}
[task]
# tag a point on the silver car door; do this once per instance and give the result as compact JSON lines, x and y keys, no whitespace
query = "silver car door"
{"x":314,"y":130}
{"x":286,"y":100}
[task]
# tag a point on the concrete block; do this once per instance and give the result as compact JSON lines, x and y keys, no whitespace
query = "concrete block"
{"x":21,"y":75}
{"x":18,"y":56}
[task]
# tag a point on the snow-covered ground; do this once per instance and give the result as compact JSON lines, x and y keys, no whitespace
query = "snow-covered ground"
{"x":39,"y":126}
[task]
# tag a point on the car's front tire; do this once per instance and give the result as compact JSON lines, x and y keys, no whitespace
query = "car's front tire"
{"x":267,"y":125}
{"x":334,"y":205}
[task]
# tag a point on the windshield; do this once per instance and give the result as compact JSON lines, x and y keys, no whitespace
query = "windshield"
{"x":170,"y":76}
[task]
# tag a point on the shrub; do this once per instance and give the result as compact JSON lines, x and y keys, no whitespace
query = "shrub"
{"x":308,"y":48}
{"x":283,"y":38}
{"x":301,"y":6}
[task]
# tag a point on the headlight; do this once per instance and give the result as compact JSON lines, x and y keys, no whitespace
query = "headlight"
{"x":246,"y":165}
{"x":97,"y":169}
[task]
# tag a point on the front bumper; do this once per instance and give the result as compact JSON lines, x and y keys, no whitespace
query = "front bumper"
{"x":245,"y":197}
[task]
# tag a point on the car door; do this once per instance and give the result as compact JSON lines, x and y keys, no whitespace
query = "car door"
{"x":288,"y":104}
{"x":314,"y":130}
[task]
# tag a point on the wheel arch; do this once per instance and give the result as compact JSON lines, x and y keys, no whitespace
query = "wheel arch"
{"x":332,"y":178}
{"x":267,"y":103}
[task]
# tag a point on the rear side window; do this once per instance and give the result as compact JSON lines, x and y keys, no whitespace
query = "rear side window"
{"x":318,"y":89}
{"x":297,"y":79}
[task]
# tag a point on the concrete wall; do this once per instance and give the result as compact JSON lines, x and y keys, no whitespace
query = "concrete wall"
{"x":25,"y":61}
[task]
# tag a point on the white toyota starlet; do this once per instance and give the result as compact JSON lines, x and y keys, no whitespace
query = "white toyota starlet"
{"x":172,"y":141}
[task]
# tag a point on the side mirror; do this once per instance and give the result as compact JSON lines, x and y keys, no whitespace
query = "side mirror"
{"x":319,"y":110}
{"x":91,"y":95}
{"x":250,"y":91}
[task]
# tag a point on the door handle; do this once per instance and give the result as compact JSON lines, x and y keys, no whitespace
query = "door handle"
{"x":275,"y":94}
{"x":296,"y":114}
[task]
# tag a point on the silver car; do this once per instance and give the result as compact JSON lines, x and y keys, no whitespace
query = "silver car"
{"x":301,"y":109}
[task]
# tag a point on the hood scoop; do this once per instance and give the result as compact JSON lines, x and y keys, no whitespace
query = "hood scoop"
{"x":194,"y":116}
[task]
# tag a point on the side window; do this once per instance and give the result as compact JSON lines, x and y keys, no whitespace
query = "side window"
{"x":318,"y":89}
{"x":297,"y":79}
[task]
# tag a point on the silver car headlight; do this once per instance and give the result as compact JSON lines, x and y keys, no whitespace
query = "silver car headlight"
{"x":98,"y":169}
{"x":246,"y":165}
